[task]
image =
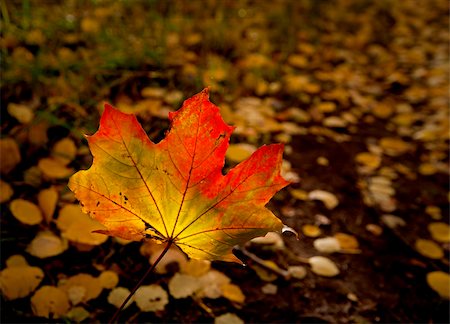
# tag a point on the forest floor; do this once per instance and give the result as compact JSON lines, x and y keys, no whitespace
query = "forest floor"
{"x":356,"y":90}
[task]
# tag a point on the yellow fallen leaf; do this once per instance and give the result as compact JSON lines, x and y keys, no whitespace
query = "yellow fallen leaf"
{"x":427,"y":169}
{"x":347,"y":241}
{"x":19,"y":281}
{"x":92,"y":286}
{"x":183,"y":285}
{"x":37,"y":133}
{"x":195,"y":267}
{"x":64,"y":151}
{"x":440,"y":231}
{"x":382,"y":110}
{"x":9,"y":155}
{"x":429,"y":249}
{"x":330,"y":200}
{"x":16,"y":260}
{"x":233,"y":292}
{"x":151,"y":298}
{"x":327,"y":245}
{"x":117,"y":296}
{"x":434,"y":212}
{"x":239,"y":152}
{"x":78,"y":314}
{"x":53,"y":169}
{"x":299,"y":194}
{"x":311,"y":230}
{"x":26,"y":212}
{"x":46,"y":244}
{"x":228,"y":318}
{"x":47,"y":199}
{"x":323,"y":266}
{"x":20,"y":112}
{"x":50,"y":302}
{"x":439,"y":281}
{"x":393,"y":146}
{"x":108,"y":279}
{"x":78,"y":227}
{"x":326,"y":107}
{"x":6,"y":191}
{"x":368,"y":159}
{"x":90,"y":25}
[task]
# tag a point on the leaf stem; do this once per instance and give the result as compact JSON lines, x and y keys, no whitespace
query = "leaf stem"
{"x":150,"y":270}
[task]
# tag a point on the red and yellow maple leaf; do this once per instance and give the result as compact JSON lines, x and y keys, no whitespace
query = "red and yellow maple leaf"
{"x":175,"y":191}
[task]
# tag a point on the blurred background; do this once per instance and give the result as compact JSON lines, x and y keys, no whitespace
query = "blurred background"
{"x":356,"y":90}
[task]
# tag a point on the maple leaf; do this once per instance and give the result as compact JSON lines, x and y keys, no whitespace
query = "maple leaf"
{"x":174,"y":191}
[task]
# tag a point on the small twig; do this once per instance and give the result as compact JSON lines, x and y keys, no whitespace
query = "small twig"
{"x":150,"y":270}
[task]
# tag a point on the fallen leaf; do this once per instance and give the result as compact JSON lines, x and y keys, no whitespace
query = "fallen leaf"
{"x":429,"y":249}
{"x":20,"y":112}
{"x":326,"y":197}
{"x":439,"y":231}
{"x":211,"y":284}
{"x":239,"y":152}
{"x":434,"y":212}
{"x":297,"y":272}
{"x":16,"y":260}
{"x":108,"y":279}
{"x":47,"y":199}
{"x":46,"y":244}
{"x":439,"y":281}
{"x":19,"y":281}
{"x":269,"y":289}
{"x":151,"y":298}
{"x":26,"y":212}
{"x":272,"y":239}
{"x":6,"y":191}
{"x":368,"y":159}
{"x":393,"y":146}
{"x":327,"y":244}
{"x":323,"y":266}
{"x":54,"y":169}
{"x":118,"y":295}
{"x":78,"y":227}
{"x":196,"y":267}
{"x":183,"y":285}
{"x":91,"y":287}
{"x":64,"y":151}
{"x":347,"y":241}
{"x":392,"y":221}
{"x":9,"y":155}
{"x":233,"y":293}
{"x":171,"y":186}
{"x":50,"y":302}
{"x":78,"y":314}
{"x":310,"y":230}
{"x":228,"y":318}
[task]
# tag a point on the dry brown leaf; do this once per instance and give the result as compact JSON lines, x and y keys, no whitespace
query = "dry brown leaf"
{"x":47,"y":199}
{"x":46,"y":244}
{"x":9,"y":155}
{"x":6,"y":191}
{"x":50,"y":302}
{"x":26,"y":212}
